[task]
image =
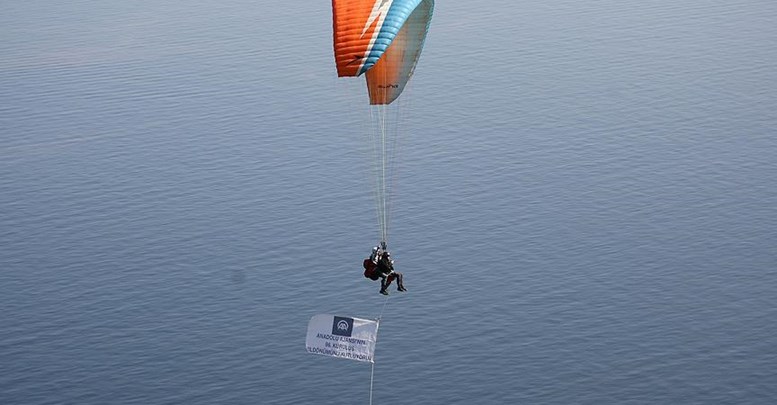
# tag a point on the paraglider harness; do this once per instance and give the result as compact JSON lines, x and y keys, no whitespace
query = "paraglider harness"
{"x":371,"y":270}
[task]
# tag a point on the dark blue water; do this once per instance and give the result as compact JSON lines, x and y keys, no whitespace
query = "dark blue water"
{"x":585,"y":209}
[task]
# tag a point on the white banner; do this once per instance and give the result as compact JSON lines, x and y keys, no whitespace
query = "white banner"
{"x":341,"y":336}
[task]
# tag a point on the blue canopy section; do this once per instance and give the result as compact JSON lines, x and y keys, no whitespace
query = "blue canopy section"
{"x":396,"y":16}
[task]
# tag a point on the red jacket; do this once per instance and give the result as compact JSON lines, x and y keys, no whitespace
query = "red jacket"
{"x":369,"y":270}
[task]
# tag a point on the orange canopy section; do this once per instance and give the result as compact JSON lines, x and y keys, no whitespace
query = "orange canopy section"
{"x":383,"y":38}
{"x":353,"y":32}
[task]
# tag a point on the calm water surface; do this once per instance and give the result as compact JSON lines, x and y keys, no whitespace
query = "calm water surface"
{"x":586,"y":205}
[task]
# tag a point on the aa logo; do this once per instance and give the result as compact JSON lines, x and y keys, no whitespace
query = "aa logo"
{"x":342,"y":326}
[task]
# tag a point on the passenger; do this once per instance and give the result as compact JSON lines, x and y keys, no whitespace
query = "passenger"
{"x":385,"y":270}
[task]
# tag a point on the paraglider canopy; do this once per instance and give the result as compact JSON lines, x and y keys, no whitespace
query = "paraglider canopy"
{"x":382,"y":38}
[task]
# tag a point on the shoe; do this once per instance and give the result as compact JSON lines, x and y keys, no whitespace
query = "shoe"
{"x":384,"y":292}
{"x":403,"y":289}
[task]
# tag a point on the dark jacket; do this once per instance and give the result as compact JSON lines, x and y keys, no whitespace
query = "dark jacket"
{"x":385,"y":266}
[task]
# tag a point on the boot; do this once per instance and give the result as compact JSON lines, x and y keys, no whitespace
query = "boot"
{"x":383,"y":287}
